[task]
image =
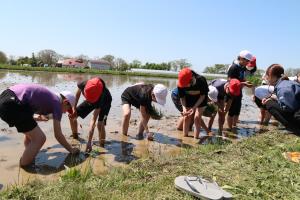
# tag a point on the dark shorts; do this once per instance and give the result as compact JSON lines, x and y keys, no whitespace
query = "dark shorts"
{"x":14,"y":113}
{"x":189,"y":102}
{"x":235,"y":107}
{"x":258,"y":102}
{"x":86,"y":108}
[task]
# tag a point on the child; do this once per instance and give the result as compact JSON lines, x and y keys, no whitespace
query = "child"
{"x":285,"y":106}
{"x":237,"y":71}
{"x":176,"y":100}
{"x":193,"y":91}
{"x":261,"y":92}
{"x":141,"y":96}
{"x":226,"y":92}
{"x":97,"y":98}
{"x":20,"y":102}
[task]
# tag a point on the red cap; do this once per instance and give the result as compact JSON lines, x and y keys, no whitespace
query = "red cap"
{"x":184,"y":77}
{"x":235,"y":87}
{"x":93,"y":90}
{"x":252,"y":62}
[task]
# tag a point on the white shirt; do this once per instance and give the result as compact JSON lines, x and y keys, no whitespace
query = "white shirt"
{"x":263,"y":91}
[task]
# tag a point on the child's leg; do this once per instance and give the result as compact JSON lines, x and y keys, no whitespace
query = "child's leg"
{"x":180,"y":124}
{"x":267,"y":117}
{"x":126,"y":117}
{"x":262,"y":116}
{"x":221,"y":115}
{"x":207,"y":130}
{"x":26,"y":141}
{"x":74,"y":127}
{"x":235,"y":120}
{"x":197,"y":121}
{"x":37,"y":139}
{"x":186,"y":125}
{"x":102,"y":133}
{"x":141,"y":126}
{"x":229,"y":121}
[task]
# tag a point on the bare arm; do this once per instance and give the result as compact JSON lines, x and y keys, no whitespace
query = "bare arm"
{"x":61,"y":138}
{"x":77,"y":96}
{"x":183,"y":103}
{"x":144,"y":116}
{"x":92,"y":124}
{"x":227,"y":106}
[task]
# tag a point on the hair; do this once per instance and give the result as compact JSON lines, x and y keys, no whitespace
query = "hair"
{"x":298,"y":74}
{"x":277,"y":71}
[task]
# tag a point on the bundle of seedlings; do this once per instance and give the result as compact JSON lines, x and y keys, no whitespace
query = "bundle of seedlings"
{"x":154,"y":113}
{"x":210,"y":110}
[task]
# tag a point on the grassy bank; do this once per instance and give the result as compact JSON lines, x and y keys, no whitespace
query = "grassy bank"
{"x":251,"y":169}
{"x":87,"y":71}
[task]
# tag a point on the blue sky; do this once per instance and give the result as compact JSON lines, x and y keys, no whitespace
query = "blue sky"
{"x":203,"y":31}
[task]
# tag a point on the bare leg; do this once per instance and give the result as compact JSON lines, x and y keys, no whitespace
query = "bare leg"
{"x":37,"y":139}
{"x":126,"y":118}
{"x":267,"y":118}
{"x":141,"y":126}
{"x":26,"y":141}
{"x":74,"y":127}
{"x":180,"y":124}
{"x":205,"y":127}
{"x":186,"y":125}
{"x":229,"y":121}
{"x":197,"y":121}
{"x":102,"y":133}
{"x":262,"y":116}
{"x":235,"y":119}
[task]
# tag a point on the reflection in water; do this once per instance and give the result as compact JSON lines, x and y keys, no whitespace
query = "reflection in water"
{"x":4,"y":138}
{"x":122,"y":151}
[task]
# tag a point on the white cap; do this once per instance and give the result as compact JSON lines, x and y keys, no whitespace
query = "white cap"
{"x":160,"y":92}
{"x":246,"y":54}
{"x":213,"y":93}
{"x":69,"y":96}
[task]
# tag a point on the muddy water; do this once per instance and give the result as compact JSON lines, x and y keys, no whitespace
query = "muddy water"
{"x":119,"y":150}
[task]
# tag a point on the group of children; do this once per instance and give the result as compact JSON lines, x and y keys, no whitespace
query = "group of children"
{"x":278,"y":97}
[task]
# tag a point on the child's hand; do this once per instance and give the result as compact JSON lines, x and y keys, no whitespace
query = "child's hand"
{"x":89,"y":147}
{"x":75,"y":151}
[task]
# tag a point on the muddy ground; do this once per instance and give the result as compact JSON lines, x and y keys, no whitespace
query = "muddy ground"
{"x":119,"y":150}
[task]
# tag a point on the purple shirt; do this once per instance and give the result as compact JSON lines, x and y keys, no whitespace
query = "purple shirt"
{"x":40,"y":99}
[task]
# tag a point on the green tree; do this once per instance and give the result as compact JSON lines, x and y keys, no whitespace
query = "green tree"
{"x":216,"y":69}
{"x":110,"y":59}
{"x":3,"y":58}
{"x":135,"y":64}
{"x":23,"y":60}
{"x":120,"y":64}
{"x":33,"y":61}
{"x":177,"y":65}
{"x":48,"y":56}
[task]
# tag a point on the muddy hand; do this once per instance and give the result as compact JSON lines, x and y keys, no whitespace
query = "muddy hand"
{"x":75,"y":151}
{"x":88,"y":147}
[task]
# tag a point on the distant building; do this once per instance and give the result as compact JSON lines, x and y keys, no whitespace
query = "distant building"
{"x":99,"y":64}
{"x":77,"y":63}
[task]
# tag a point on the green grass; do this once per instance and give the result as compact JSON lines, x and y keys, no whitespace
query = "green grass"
{"x":88,"y":71}
{"x":251,"y":169}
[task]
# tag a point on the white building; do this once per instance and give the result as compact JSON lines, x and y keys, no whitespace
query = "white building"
{"x":99,"y":64}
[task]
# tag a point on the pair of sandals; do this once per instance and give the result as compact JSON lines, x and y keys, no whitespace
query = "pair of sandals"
{"x":201,"y":188}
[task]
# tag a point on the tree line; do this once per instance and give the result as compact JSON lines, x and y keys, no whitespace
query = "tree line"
{"x":50,"y":58}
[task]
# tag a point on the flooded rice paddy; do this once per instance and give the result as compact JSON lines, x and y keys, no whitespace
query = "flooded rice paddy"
{"x":119,"y":150}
